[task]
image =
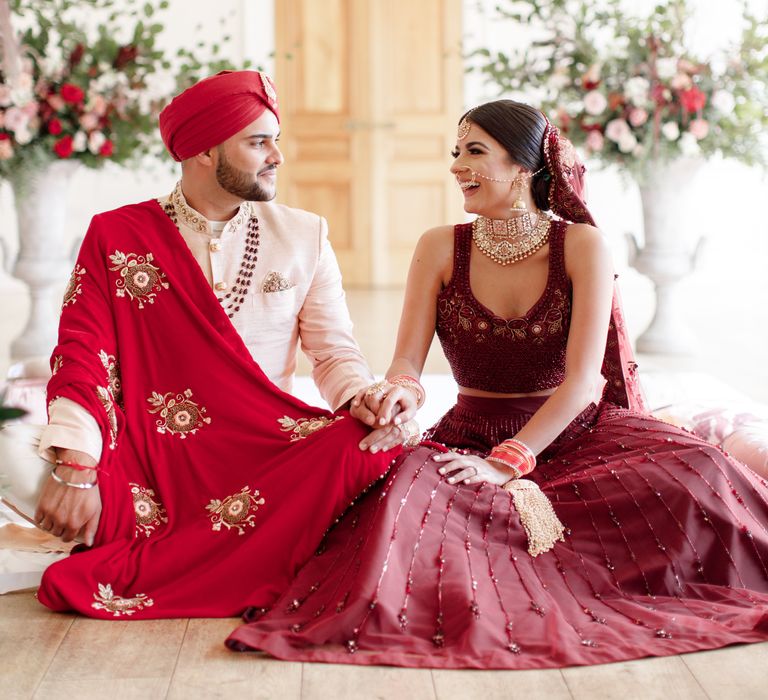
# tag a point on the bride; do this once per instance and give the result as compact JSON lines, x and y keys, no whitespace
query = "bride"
{"x":546,"y":520}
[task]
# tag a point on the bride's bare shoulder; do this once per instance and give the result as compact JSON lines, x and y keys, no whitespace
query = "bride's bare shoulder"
{"x":435,"y":249}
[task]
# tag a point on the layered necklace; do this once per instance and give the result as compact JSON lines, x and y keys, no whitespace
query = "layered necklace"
{"x":231,"y":301}
{"x":507,"y":241}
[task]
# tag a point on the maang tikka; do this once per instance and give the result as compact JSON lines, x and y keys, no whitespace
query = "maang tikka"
{"x":464,"y":126}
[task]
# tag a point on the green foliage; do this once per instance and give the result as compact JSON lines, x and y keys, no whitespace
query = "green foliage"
{"x":8,"y":413}
{"x":113,"y":56}
{"x":626,"y":89}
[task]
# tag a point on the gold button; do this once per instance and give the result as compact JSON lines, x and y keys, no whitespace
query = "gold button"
{"x":215,"y":245}
{"x":220,"y":286}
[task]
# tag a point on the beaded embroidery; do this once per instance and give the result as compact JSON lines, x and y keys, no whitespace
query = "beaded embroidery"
{"x":112,"y":366}
{"x":194,"y":220}
{"x":149,"y":513}
{"x":235,"y":512}
{"x":117,"y":605}
{"x":275,"y":282}
{"x":179,"y":415}
{"x":519,"y":354}
{"x":301,"y":428}
{"x":74,"y":286}
{"x":176,"y":206}
{"x":508,"y":241}
{"x":105,"y":398}
{"x":139,"y":278}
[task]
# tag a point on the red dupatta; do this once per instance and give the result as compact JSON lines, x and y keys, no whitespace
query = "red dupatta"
{"x":216,"y":485}
{"x":566,"y":189}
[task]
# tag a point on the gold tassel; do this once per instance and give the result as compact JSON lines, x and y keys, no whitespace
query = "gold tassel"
{"x":539,"y":519}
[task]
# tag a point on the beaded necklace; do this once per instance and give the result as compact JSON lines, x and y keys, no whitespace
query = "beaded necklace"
{"x":236,"y":296}
{"x":507,"y":241}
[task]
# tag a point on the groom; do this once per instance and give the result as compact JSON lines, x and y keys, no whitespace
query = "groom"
{"x":271,"y":268}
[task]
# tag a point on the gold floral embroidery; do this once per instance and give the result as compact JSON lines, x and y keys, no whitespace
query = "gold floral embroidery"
{"x":74,"y":287}
{"x":58,"y":361}
{"x":113,"y":376}
{"x":109,"y":406}
{"x":178,"y":415}
{"x":117,"y":605}
{"x":139,"y":278}
{"x":275,"y":282}
{"x":304,"y":427}
{"x":195,"y":220}
{"x":235,"y":512}
{"x":149,"y":513}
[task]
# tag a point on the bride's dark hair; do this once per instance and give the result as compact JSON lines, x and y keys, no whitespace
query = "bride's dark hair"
{"x":519,"y":128}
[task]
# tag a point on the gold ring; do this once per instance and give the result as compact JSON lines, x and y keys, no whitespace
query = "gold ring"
{"x":377,"y":387}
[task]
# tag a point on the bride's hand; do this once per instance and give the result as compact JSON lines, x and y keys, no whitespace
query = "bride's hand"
{"x":398,"y":406}
{"x":470,"y":469}
{"x":365,"y":405}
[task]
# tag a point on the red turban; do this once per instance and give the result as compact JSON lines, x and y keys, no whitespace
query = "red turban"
{"x":214,"y":109}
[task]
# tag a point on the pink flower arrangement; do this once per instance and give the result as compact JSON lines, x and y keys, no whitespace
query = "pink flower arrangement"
{"x":626,"y":89}
{"x":67,"y":94}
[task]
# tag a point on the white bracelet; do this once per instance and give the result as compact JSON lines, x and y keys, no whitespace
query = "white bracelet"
{"x":74,"y":485}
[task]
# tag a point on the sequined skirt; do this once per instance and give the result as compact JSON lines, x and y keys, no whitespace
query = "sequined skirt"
{"x":666,"y":551}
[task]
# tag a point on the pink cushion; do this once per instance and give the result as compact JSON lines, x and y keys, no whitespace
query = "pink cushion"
{"x":749,"y":444}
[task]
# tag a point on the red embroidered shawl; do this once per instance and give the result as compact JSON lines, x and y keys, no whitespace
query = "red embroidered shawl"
{"x":216,"y":485}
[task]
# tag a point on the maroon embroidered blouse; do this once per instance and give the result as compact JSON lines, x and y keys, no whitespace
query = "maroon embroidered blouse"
{"x":517,"y":355}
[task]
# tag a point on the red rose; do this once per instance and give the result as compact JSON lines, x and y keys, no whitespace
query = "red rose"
{"x":64,"y":147}
{"x":76,"y":56}
{"x":54,"y":127}
{"x":692,"y":99}
{"x":125,"y":55}
{"x":71,"y":93}
{"x":4,"y":137}
{"x":107,"y":149}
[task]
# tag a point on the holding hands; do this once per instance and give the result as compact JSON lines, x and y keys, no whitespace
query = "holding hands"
{"x":394,"y":400}
{"x":388,"y":407}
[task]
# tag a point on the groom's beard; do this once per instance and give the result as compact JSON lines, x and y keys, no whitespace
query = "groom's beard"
{"x":239,"y":184}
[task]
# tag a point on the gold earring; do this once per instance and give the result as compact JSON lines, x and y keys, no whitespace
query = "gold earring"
{"x":519,"y":204}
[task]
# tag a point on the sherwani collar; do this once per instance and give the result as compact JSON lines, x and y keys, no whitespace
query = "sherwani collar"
{"x":195,"y":221}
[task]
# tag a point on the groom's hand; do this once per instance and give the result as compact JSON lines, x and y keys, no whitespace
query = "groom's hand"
{"x":68,"y":511}
{"x":364,"y":406}
{"x":383,"y":439}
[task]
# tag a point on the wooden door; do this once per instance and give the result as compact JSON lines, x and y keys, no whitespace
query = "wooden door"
{"x":370,"y":93}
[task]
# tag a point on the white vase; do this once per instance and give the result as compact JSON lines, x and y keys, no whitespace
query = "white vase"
{"x":43,"y":262}
{"x":669,"y":252}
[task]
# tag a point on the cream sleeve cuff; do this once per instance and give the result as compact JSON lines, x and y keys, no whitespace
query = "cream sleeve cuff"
{"x":70,"y":427}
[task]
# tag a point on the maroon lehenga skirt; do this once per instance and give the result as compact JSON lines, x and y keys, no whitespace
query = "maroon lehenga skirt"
{"x":665,"y":551}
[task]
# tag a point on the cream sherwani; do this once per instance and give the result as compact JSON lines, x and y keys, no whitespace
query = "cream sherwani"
{"x":295,"y":299}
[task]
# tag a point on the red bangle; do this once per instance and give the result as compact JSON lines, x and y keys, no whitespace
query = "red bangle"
{"x":515,"y":454}
{"x":74,"y":465}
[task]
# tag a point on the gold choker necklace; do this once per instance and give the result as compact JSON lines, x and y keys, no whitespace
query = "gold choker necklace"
{"x":507,"y":241}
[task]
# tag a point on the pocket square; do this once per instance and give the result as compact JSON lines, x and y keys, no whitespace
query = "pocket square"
{"x":275,"y":282}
